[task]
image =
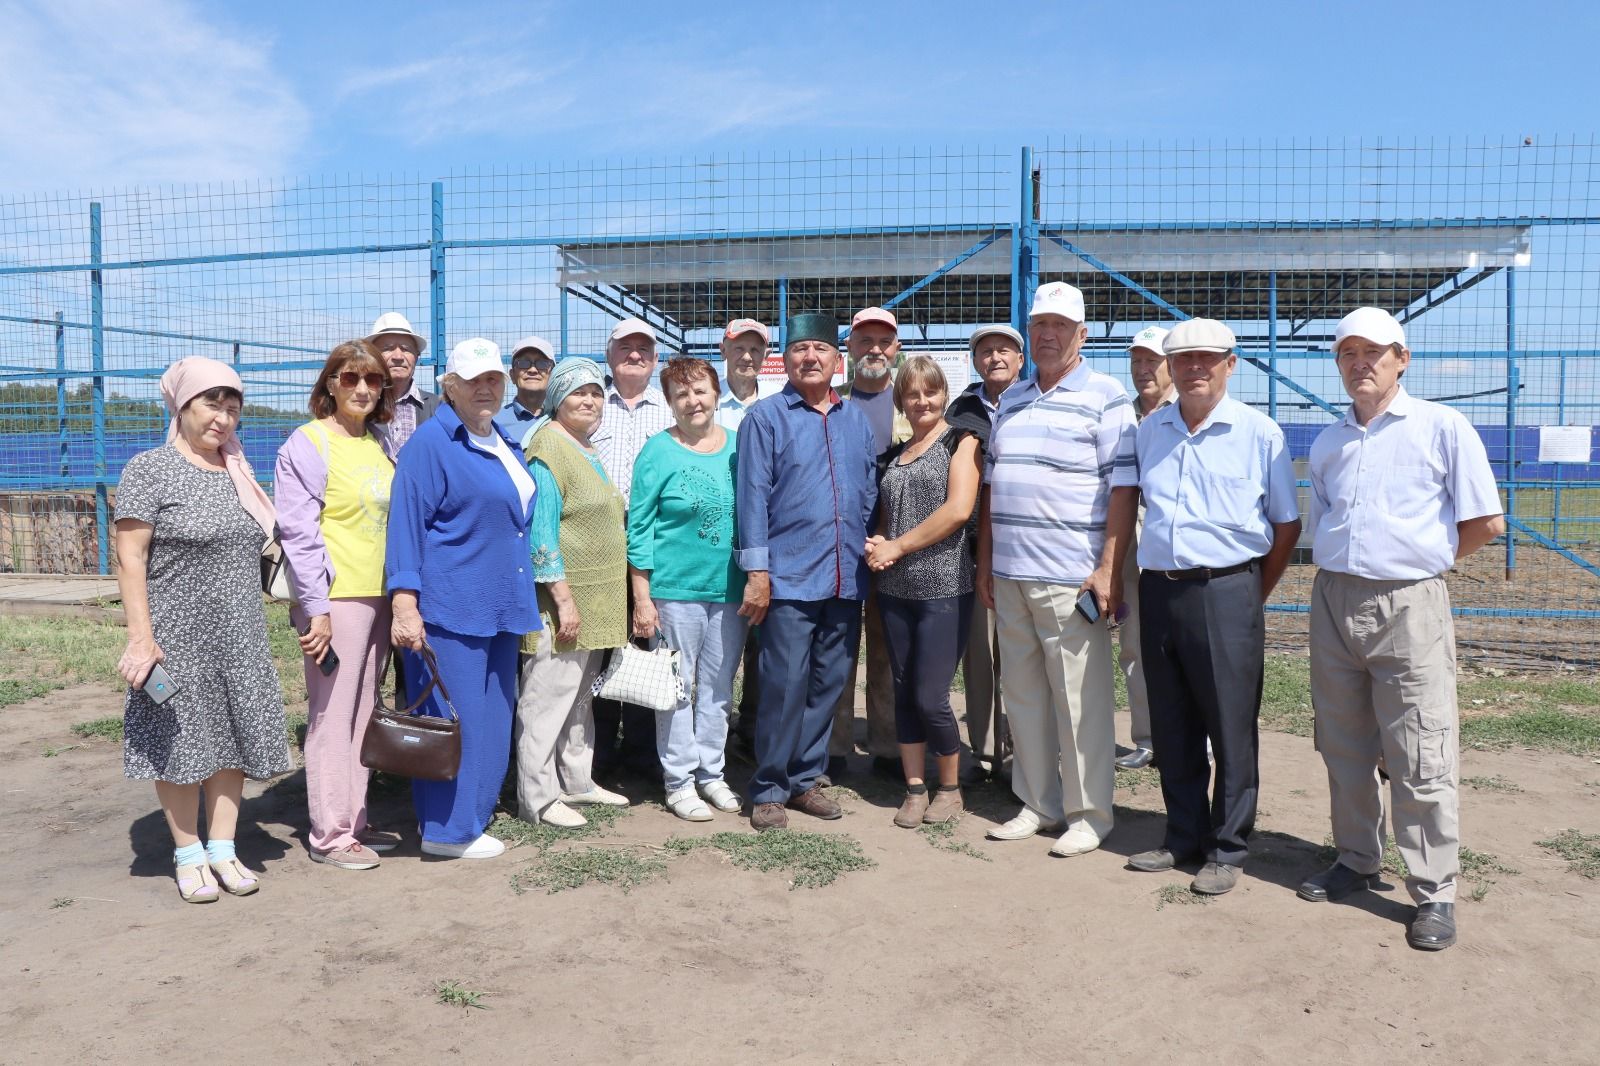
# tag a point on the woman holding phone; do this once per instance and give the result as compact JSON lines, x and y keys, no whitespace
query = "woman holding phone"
{"x":190,"y":525}
{"x":333,"y":481}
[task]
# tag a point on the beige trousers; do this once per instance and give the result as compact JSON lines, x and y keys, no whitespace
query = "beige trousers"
{"x":1060,"y":702}
{"x":881,"y":737}
{"x":1383,"y":684}
{"x":554,"y":728}
{"x":1128,"y":653}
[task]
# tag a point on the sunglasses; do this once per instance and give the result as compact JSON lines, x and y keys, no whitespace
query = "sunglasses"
{"x":529,"y":364}
{"x":349,"y":379}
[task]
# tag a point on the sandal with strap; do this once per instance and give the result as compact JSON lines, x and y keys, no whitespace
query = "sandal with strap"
{"x":236,"y":877}
{"x":196,"y":883}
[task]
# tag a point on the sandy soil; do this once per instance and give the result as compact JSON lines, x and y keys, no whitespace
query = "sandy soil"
{"x":931,"y":956}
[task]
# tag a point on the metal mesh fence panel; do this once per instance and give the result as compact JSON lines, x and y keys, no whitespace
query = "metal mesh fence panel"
{"x":1487,"y":250}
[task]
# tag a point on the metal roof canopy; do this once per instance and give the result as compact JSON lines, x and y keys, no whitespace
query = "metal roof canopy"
{"x":1221,"y":271}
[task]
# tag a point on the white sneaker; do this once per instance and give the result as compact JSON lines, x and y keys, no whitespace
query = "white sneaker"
{"x":561,"y":816}
{"x":485,"y":847}
{"x":1023,"y":826}
{"x":596,"y":796}
{"x":720,"y":796}
{"x":688,"y":806}
{"x":1076,"y":842}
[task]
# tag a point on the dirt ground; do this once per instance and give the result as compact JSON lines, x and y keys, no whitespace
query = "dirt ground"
{"x":930,"y":956}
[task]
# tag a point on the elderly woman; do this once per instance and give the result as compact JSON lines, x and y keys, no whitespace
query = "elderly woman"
{"x":680,"y":560}
{"x":190,"y":525}
{"x":333,"y":481}
{"x":460,"y":582}
{"x":579,"y":558}
{"x":922,"y":555}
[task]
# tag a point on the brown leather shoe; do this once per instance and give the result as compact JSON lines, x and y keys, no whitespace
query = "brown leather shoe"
{"x":815,"y":802}
{"x":945,"y":806}
{"x":909,"y":816}
{"x":768,"y":816}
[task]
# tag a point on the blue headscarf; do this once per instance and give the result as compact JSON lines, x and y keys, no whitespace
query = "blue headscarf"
{"x":569,"y":375}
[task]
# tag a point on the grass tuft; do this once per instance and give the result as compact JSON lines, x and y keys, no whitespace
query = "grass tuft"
{"x":1135,"y":781}
{"x":812,"y":860}
{"x":520,"y":834}
{"x":558,"y":869}
{"x":1545,"y":728}
{"x":1491,"y":784}
{"x":12,"y":692}
{"x":105,"y":728}
{"x":452,"y":994}
{"x":1179,"y":895}
{"x":941,"y":836}
{"x":1581,"y":850}
{"x":62,"y":901}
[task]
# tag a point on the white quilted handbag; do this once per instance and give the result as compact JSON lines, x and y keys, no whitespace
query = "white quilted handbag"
{"x":643,"y":678}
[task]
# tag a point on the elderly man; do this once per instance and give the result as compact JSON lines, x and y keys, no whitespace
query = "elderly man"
{"x":634,"y":411}
{"x":874,"y":344}
{"x":531,"y":362}
{"x":1057,"y":511}
{"x":744,"y":348}
{"x":805,"y":492}
{"x":1152,"y":390}
{"x":1401,"y":489}
{"x":997,"y":358}
{"x":400,"y":346}
{"x":1220,"y":522}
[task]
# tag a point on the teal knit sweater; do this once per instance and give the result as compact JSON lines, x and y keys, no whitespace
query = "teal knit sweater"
{"x":680,"y":521}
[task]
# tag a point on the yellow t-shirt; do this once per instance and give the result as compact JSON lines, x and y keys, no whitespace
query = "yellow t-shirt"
{"x":355,"y":510}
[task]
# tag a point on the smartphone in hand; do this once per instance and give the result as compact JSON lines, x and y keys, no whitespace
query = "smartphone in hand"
{"x":159,"y":686}
{"x":1089,"y":607}
{"x":330,"y":661}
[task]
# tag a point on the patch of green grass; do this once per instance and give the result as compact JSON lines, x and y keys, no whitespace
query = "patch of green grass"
{"x":51,"y":753}
{"x":1492,"y":688}
{"x":558,"y":869}
{"x":62,"y":901}
{"x":518,"y":833}
{"x":1178,"y":895}
{"x":454,"y":994}
{"x":1286,"y":695}
{"x":1479,"y":891}
{"x":70,"y":651}
{"x":1476,"y":864}
{"x":1135,"y":781}
{"x":1581,"y":850}
{"x":109,"y":728}
{"x":1491,"y":784}
{"x":811,"y":860}
{"x":942,"y":837}
{"x":22,"y":691}
{"x":1545,"y":728}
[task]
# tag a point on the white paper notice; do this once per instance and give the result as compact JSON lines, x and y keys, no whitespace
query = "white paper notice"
{"x":1564,"y":444}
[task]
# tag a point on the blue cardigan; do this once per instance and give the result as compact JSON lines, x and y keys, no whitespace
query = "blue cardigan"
{"x":458,"y":534}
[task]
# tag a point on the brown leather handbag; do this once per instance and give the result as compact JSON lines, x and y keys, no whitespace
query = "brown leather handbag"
{"x":412,"y":744}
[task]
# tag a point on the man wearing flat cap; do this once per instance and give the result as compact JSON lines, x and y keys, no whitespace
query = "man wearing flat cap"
{"x":806,"y":485}
{"x":532,"y":360}
{"x":1401,"y":489}
{"x":399,"y":347}
{"x":1056,"y":512}
{"x":1220,"y":522}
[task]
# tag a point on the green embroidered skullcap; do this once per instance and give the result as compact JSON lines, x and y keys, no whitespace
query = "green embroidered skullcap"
{"x":812,"y":327}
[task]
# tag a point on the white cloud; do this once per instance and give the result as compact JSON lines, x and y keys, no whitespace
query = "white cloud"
{"x":98,"y":92}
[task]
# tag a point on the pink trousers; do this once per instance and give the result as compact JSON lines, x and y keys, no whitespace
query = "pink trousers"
{"x":340,"y":705}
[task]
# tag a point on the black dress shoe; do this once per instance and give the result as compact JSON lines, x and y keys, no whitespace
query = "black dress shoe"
{"x":1434,"y":927}
{"x":1215,"y":879}
{"x":1137,"y":759}
{"x":1336,"y":882}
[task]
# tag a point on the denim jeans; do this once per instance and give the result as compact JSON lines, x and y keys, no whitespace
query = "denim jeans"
{"x":708,"y":638}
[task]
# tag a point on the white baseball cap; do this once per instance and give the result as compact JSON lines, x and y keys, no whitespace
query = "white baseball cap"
{"x":1058,"y":298}
{"x":1199,"y":335}
{"x":473,"y":358}
{"x":538,"y":344}
{"x":874,"y":314}
{"x":1370,"y":323}
{"x":997,"y":327}
{"x":629,"y":326}
{"x":1150,"y":338}
{"x":747,"y":325}
{"x":395,"y":322}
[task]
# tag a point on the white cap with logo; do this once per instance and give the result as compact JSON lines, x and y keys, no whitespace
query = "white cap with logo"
{"x":1370,"y":323}
{"x":1150,"y":338}
{"x":1058,"y":298}
{"x":473,"y":358}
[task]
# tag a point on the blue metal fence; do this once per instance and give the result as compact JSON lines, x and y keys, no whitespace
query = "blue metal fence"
{"x":1486,"y":250}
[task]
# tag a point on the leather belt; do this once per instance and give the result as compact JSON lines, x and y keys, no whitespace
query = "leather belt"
{"x":1205,"y":573}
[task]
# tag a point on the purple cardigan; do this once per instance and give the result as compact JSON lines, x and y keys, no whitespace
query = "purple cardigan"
{"x":301,"y":479}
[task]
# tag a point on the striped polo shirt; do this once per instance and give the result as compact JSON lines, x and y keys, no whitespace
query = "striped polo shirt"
{"x":1053,"y":459}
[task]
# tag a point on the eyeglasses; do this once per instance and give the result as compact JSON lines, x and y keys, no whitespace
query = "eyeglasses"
{"x":524,"y":363}
{"x":349,"y":379}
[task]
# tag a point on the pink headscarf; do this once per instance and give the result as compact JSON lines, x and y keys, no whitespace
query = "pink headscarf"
{"x":188,"y":378}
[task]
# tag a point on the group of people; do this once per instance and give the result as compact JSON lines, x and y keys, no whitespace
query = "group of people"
{"x":510,"y":547}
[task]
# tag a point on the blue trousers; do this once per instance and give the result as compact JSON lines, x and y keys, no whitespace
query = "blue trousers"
{"x":481,"y":674}
{"x":806,"y":648}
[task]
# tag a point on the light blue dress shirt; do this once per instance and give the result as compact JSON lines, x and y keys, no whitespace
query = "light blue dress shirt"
{"x":1211,"y":496}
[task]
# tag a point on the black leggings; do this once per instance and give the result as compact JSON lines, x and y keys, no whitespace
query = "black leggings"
{"x":926,"y":639}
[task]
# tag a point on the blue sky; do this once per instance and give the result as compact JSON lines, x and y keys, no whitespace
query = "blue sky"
{"x":100,"y":93}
